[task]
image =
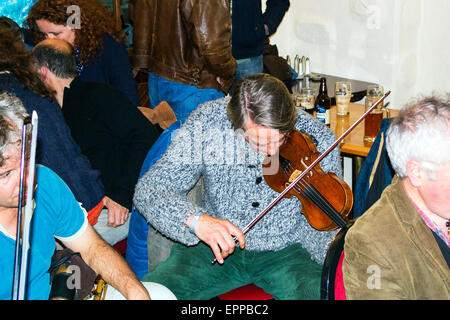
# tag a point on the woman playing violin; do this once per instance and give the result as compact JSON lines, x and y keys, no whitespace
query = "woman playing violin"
{"x":226,"y":141}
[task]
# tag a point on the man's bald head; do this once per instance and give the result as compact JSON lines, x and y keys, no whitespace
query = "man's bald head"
{"x":57,"y":56}
{"x":57,"y":44}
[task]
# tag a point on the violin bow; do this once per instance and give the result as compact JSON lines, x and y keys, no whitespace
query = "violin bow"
{"x":308,"y":169}
{"x":24,"y":215}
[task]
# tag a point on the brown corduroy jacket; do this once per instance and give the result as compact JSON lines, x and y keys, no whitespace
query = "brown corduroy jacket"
{"x":186,"y":41}
{"x":390,"y":253}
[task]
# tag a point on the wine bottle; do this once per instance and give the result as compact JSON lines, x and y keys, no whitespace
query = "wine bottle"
{"x":323,"y":103}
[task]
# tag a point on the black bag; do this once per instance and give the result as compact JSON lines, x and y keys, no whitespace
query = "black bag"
{"x":70,"y":277}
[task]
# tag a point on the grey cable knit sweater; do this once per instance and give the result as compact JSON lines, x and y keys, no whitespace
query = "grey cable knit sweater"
{"x":234,"y":185}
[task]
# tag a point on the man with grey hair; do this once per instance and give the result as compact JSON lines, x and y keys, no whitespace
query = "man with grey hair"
{"x":226,"y":141}
{"x":399,"y":248}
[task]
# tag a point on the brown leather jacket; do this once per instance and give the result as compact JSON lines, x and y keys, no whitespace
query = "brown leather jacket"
{"x":187,"y":41}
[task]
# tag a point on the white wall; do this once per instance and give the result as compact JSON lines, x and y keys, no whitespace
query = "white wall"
{"x":401,"y":44}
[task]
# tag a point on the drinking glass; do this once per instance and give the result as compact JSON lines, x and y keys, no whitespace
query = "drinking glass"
{"x":372,"y":122}
{"x":343,"y":94}
{"x":306,"y":99}
{"x":296,"y":88}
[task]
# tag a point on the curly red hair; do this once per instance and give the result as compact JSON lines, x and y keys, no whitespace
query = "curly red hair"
{"x":96,"y":20}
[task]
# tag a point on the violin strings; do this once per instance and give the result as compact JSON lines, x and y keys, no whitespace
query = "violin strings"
{"x":323,"y":204}
{"x":315,"y":196}
{"x":332,"y":213}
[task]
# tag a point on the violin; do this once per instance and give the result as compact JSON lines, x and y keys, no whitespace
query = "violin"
{"x":326,"y":199}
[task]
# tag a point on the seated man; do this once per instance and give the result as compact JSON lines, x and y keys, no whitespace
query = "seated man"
{"x":56,"y":215}
{"x":399,"y":248}
{"x":283,"y":252}
{"x":113,"y":134}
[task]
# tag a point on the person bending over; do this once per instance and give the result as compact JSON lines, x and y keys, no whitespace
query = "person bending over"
{"x":226,"y":142}
{"x":113,"y":134}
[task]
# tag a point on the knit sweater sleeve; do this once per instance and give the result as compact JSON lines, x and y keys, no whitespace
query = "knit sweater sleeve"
{"x":161,"y":194}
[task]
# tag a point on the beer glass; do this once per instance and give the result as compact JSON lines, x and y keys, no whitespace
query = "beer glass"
{"x":372,"y":122}
{"x":342,"y":124}
{"x":306,"y":99}
{"x":343,"y":94}
{"x":296,"y":88}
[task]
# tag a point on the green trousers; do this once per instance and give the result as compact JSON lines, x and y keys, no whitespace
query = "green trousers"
{"x":288,"y":274}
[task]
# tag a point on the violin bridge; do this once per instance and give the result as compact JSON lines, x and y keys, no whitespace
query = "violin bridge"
{"x":294,"y":175}
{"x":297,"y":173}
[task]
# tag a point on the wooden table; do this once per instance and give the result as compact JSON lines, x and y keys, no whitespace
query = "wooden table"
{"x":353,"y":146}
{"x":354,"y":143}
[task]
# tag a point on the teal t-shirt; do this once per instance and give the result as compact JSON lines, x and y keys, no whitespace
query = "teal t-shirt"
{"x":57,"y":214}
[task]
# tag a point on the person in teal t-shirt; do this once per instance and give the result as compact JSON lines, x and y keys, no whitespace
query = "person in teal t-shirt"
{"x":56,"y":215}
{"x":61,"y":219}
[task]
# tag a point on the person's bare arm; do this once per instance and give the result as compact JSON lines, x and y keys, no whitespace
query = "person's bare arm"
{"x":101,"y":257}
